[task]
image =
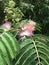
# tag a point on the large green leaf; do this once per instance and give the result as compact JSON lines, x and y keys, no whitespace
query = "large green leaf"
{"x":34,"y":51}
{"x":9,"y":47}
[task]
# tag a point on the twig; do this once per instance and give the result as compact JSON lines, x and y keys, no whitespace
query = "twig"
{"x":37,"y":52}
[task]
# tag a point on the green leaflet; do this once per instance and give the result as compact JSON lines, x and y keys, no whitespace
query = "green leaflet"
{"x":9,"y":47}
{"x":34,"y":51}
{"x":2,"y":61}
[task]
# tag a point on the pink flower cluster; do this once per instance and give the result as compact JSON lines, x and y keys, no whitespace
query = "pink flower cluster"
{"x":28,"y":29}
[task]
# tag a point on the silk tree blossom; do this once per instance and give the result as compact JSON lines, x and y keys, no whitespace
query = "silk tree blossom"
{"x":26,"y":33}
{"x":28,"y":29}
{"x":30,"y":26}
{"x":7,"y":26}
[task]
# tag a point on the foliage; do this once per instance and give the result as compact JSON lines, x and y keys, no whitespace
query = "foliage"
{"x":1,"y":12}
{"x":8,"y":48}
{"x":12,"y":13}
{"x":34,"y":51}
{"x":18,"y":43}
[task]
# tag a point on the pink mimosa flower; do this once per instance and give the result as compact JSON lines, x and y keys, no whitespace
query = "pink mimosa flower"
{"x":7,"y":25}
{"x":28,"y":29}
{"x":26,"y":33}
{"x":32,"y":22}
{"x":30,"y":26}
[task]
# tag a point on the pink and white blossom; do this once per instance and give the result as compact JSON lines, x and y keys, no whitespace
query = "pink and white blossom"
{"x":7,"y":26}
{"x":28,"y":29}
